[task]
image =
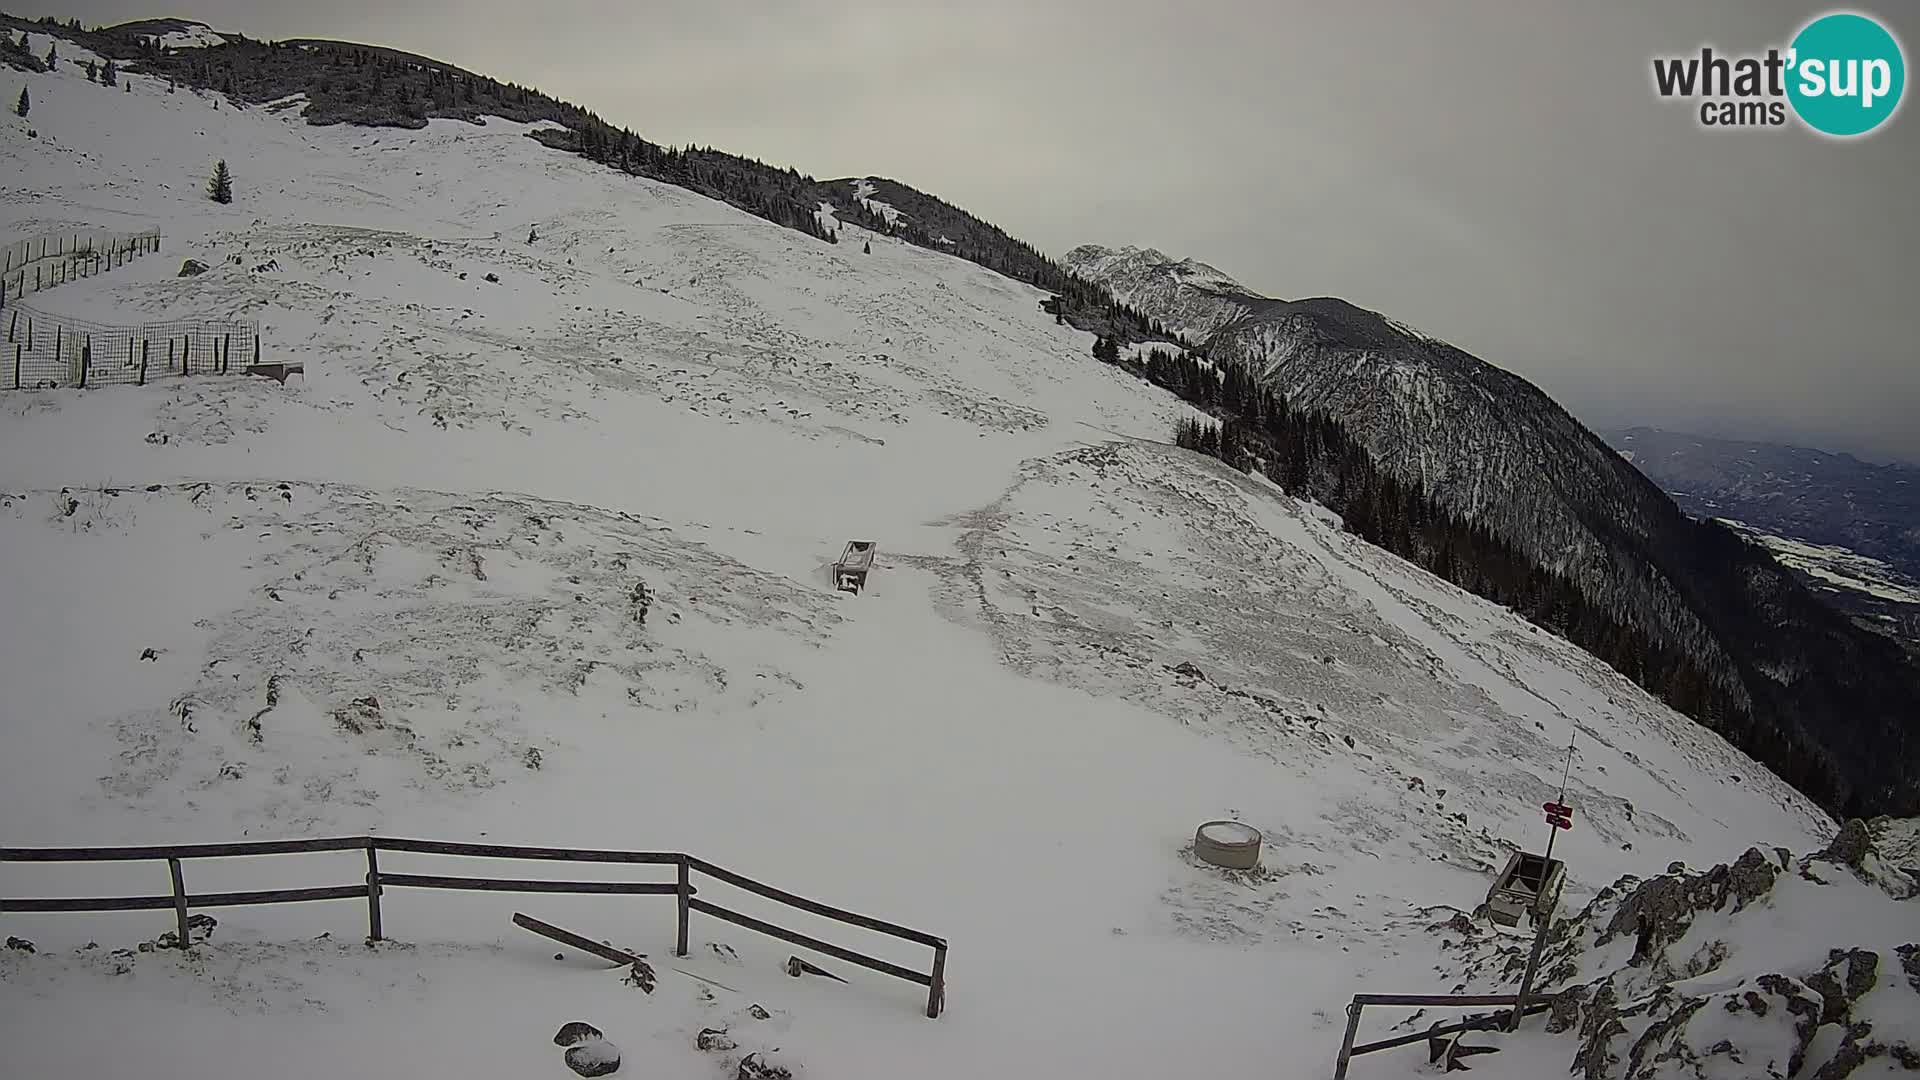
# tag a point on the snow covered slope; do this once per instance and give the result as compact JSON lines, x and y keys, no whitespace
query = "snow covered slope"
{"x":542,"y":560}
{"x":1787,"y":677}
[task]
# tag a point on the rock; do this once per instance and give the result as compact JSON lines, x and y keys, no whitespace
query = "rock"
{"x":714,"y":1040}
{"x":19,"y":944}
{"x":1850,"y":847}
{"x":595,"y":1057}
{"x":1847,"y":974}
{"x":1186,"y":669}
{"x":192,"y":268}
{"x":758,"y":1013}
{"x":640,"y":975}
{"x":752,"y":1067}
{"x":575,"y":1031}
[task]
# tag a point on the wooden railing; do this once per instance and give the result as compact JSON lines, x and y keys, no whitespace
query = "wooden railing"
{"x":1348,"y":1051}
{"x":682,"y":888}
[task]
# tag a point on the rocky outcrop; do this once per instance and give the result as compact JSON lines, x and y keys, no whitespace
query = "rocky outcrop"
{"x":1766,"y":966}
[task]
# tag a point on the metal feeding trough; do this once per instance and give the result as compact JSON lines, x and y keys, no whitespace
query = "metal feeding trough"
{"x":1230,"y":844}
{"x":1528,"y":887}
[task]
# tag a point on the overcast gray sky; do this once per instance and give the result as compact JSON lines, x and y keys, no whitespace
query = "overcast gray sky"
{"x":1497,"y":174}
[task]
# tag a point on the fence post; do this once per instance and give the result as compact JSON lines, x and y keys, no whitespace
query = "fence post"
{"x":226,"y":358}
{"x":16,"y":365}
{"x":179,"y":901}
{"x":1346,"y":1044}
{"x":256,"y":348}
{"x":937,"y":990}
{"x":170,"y":355}
{"x":86,"y":360}
{"x":686,"y":893}
{"x":373,"y":890}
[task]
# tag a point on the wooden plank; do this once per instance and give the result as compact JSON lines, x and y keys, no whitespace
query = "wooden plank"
{"x":88,"y":903}
{"x":277,"y":896}
{"x":507,"y":851}
{"x":623,"y":888}
{"x":179,"y":900}
{"x":1485,"y":1023}
{"x":815,"y":944}
{"x":1434,"y":999}
{"x":181,"y":851}
{"x":373,"y":892}
{"x":937,"y":989}
{"x":568,"y":937}
{"x":684,"y":888}
{"x":771,"y":893}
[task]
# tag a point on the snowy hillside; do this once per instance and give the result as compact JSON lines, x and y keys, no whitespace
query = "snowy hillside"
{"x":1729,"y":634}
{"x":543,"y":560}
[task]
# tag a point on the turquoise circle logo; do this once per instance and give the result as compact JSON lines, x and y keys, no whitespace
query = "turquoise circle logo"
{"x":1847,"y":74}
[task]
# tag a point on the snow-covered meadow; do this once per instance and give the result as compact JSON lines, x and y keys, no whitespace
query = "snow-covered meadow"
{"x":1080,"y":644}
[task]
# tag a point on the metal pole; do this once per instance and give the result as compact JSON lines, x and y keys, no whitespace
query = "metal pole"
{"x":179,"y":901}
{"x":1346,"y":1044}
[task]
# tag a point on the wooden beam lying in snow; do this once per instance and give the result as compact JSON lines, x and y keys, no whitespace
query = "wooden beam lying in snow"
{"x":567,"y":937}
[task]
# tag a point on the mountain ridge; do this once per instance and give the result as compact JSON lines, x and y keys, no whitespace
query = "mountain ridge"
{"x":1487,"y":445}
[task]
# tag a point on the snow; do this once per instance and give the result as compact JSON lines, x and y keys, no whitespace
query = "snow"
{"x":1839,"y":566}
{"x":451,"y":511}
{"x":863,"y":191}
{"x":193,"y":36}
{"x":1229,"y":833}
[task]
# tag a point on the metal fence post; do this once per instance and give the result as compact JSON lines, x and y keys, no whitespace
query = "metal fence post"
{"x":16,"y":365}
{"x":179,"y":901}
{"x":685,"y":894}
{"x":373,"y":890}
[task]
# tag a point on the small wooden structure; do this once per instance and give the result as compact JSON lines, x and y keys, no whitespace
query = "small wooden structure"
{"x":850,"y":573}
{"x":1529,"y":887}
{"x":278,"y":370}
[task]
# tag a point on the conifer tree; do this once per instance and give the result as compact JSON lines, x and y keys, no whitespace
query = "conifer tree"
{"x":53,"y":55}
{"x":25,"y":103}
{"x":93,"y":72}
{"x":109,"y":75}
{"x":220,"y":188}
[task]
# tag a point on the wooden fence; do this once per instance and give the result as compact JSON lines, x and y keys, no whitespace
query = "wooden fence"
{"x":47,"y":352}
{"x":183,"y":902}
{"x":42,"y":262}
{"x":1348,"y":1051}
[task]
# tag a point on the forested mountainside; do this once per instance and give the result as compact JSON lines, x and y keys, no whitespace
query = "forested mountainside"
{"x":1783,"y":675}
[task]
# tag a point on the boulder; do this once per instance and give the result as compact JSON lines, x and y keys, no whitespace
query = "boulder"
{"x":192,"y":268}
{"x":575,"y":1031}
{"x":594,"y":1057}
